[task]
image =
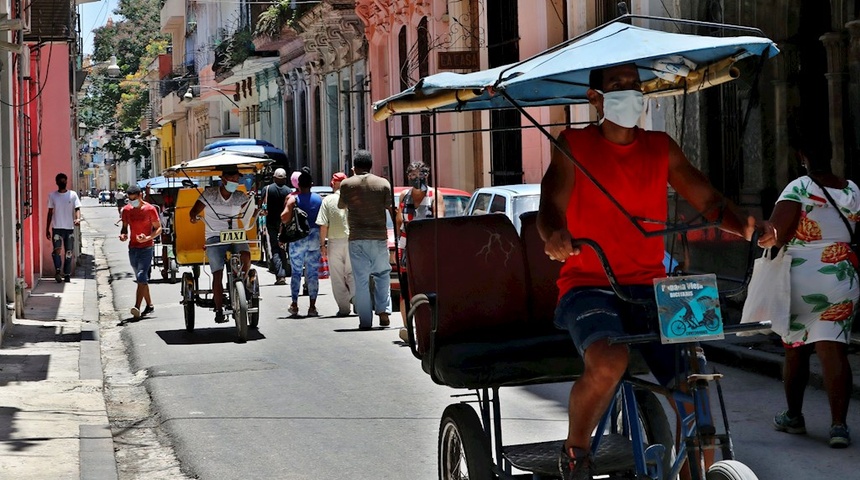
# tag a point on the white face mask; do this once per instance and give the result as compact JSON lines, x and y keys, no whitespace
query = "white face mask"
{"x":623,"y":107}
{"x":135,"y":203}
{"x":231,"y":186}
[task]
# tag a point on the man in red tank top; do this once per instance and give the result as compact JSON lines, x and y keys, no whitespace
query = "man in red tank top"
{"x":634,"y":166}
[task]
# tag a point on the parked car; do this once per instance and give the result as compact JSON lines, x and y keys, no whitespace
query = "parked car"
{"x":455,"y":206}
{"x":509,"y":200}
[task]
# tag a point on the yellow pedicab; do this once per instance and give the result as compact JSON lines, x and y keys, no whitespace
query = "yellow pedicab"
{"x":242,"y":298}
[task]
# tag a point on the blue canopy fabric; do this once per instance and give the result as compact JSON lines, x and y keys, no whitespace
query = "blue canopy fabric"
{"x":669,"y":63}
{"x":161,"y":182}
{"x":250,"y":146}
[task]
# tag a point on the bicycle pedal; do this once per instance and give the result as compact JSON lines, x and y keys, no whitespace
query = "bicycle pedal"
{"x":708,"y":377}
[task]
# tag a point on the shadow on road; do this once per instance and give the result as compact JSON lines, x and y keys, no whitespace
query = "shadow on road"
{"x":205,"y":336}
{"x":356,"y":329}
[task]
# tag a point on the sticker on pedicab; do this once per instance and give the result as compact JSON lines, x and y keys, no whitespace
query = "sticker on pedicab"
{"x":688,"y":308}
{"x":233,"y":236}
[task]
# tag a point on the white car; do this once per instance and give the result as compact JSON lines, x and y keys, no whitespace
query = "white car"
{"x":510,"y":200}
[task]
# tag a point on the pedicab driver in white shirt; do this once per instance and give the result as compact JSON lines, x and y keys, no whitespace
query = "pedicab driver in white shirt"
{"x":221,"y":206}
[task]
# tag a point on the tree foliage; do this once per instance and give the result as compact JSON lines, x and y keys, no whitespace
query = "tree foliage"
{"x":120,"y":103}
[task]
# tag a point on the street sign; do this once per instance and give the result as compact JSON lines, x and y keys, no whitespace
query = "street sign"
{"x":459,"y":60}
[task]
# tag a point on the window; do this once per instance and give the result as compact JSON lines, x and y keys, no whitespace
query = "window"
{"x":498,"y":205}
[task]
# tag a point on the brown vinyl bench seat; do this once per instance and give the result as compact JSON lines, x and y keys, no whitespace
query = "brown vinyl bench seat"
{"x":493,"y":294}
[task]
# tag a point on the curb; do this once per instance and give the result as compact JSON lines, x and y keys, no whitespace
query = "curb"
{"x":97,"y":459}
{"x":769,"y":364}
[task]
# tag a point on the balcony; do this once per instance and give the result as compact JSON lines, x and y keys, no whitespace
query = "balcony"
{"x":172,"y":108}
{"x":172,"y":14}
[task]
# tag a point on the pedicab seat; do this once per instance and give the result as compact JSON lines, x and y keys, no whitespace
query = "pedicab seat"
{"x":495,"y":297}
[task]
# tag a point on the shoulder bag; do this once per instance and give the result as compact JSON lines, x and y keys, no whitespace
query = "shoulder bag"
{"x":296,"y":229}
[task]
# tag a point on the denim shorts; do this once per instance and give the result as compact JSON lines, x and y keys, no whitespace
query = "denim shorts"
{"x":590,"y":314}
{"x":141,"y":263}
{"x":217,"y":255}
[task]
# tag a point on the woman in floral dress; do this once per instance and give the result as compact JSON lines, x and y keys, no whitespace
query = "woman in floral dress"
{"x":824,"y":287}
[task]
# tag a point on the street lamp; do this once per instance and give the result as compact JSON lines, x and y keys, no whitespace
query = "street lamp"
{"x":189,"y":94}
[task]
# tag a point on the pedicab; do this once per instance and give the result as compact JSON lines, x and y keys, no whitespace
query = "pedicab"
{"x":242,"y":294}
{"x":162,"y":192}
{"x":470,"y":336}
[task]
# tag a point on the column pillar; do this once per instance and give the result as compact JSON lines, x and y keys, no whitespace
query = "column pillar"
{"x":853,"y":95}
{"x":781,"y":154}
{"x":834,"y":44}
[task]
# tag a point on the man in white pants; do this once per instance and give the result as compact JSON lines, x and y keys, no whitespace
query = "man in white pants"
{"x":333,"y":225}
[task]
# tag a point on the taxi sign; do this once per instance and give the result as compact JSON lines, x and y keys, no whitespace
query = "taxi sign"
{"x":233,"y":236}
{"x":688,"y":308}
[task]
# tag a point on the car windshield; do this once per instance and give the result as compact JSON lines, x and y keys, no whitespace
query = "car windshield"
{"x":455,"y":206}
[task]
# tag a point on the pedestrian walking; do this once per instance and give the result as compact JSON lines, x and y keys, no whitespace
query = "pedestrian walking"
{"x":142,"y":219}
{"x":334,"y":244}
{"x":64,"y":214}
{"x":367,"y":197}
{"x":274,"y":199}
{"x":811,"y":221}
{"x":120,"y":202}
{"x":419,"y":201}
{"x":304,"y":253}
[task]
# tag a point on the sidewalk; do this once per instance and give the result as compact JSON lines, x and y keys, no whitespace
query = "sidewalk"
{"x":53,"y":420}
{"x":763,"y":354}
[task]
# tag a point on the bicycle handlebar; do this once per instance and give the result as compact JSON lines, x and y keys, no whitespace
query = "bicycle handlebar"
{"x":655,"y":337}
{"x":616,"y":287}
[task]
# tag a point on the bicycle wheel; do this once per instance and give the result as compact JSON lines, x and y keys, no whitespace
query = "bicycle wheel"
{"x":712,"y":323}
{"x":240,"y":309}
{"x":188,"y":300}
{"x":464,"y":450}
{"x":653,"y":424}
{"x":678,"y":327}
{"x":730,"y":470}
{"x":253,"y":299}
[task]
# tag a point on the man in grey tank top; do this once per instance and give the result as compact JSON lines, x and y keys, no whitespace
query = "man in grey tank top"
{"x":367,"y":197}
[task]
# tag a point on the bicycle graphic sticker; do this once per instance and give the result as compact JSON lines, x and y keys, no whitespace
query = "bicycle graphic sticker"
{"x":688,"y":308}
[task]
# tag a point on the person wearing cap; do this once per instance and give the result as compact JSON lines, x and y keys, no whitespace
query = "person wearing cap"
{"x":335,"y":229}
{"x":221,"y":206}
{"x":274,"y":199}
{"x":145,"y":225}
{"x":304,"y":253}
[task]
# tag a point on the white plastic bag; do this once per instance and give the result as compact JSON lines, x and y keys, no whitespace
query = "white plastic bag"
{"x":769,"y":294}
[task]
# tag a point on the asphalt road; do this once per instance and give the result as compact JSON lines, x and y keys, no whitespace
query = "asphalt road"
{"x":313,"y":398}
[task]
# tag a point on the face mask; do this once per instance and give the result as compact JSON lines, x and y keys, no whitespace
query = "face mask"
{"x":416,"y":182}
{"x":134,"y":203}
{"x":61,"y":185}
{"x":623,"y":107}
{"x":231,"y":186}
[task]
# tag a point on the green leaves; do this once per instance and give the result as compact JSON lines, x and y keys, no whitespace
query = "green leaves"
{"x":843,"y":270}
{"x":797,"y":261}
{"x":818,"y":301}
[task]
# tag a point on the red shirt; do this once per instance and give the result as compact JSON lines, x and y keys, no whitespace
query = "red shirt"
{"x":139,"y":221}
{"x":636,"y":175}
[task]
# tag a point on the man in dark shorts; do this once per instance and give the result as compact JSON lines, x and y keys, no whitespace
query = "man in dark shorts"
{"x":634,"y":165}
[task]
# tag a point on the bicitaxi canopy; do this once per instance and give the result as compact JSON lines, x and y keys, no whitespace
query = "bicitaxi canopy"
{"x":669,"y":63}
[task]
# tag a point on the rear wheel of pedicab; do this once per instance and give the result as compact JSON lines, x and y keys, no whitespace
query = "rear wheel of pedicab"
{"x":188,"y":300}
{"x":464,"y":449}
{"x":730,"y":470}
{"x":253,"y":299}
{"x":240,"y":309}
{"x":653,"y":423}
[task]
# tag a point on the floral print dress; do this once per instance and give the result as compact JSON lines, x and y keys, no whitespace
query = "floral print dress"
{"x":824,"y":283}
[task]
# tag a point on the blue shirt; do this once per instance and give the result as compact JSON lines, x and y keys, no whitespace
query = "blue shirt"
{"x":310,"y":202}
